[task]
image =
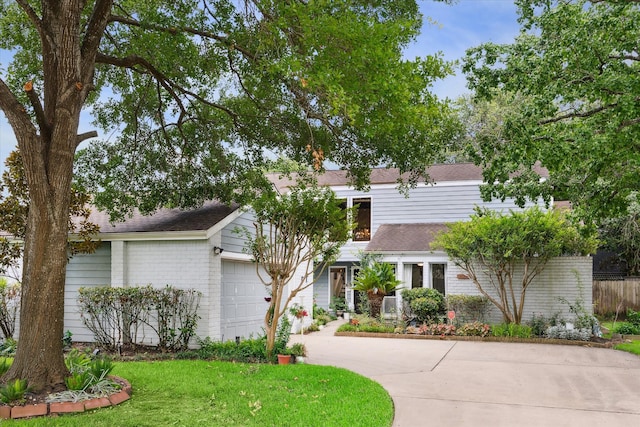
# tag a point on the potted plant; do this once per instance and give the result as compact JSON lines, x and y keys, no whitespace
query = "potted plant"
{"x":339,"y":305}
{"x":284,"y":358}
{"x":298,"y":351}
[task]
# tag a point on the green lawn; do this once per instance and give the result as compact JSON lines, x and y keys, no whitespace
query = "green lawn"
{"x":189,"y":393}
{"x":631,"y":347}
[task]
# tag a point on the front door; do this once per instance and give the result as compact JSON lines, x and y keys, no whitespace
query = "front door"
{"x":337,"y":282}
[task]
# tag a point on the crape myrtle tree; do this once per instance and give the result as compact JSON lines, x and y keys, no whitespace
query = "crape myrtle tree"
{"x":574,"y":75}
{"x":503,"y":254}
{"x":296,"y":236}
{"x":195,"y":96}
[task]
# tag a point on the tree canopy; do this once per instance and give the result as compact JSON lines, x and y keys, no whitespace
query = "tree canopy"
{"x":503,"y":254}
{"x":574,"y":69}
{"x":203,"y":98}
{"x":196,"y":95}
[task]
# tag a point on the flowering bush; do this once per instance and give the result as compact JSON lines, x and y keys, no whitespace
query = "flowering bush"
{"x":437,"y":329}
{"x":474,"y":329}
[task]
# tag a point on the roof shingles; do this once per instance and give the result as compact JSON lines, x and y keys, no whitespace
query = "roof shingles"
{"x":404,"y":237}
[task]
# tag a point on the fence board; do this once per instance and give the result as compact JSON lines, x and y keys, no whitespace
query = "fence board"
{"x":615,"y":296}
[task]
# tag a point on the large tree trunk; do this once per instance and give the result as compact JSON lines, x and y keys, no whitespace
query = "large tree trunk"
{"x":39,"y":357}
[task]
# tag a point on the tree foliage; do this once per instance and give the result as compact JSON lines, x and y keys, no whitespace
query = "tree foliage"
{"x":230,"y":86}
{"x":574,"y":70}
{"x":14,"y":208}
{"x":296,"y":236}
{"x":503,"y":254}
{"x":621,"y":235}
{"x":196,"y":95}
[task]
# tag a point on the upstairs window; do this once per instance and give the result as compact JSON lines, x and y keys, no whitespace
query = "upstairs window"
{"x":362,"y":232}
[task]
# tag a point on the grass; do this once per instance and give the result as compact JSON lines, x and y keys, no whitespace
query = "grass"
{"x":631,"y":347}
{"x":192,"y":393}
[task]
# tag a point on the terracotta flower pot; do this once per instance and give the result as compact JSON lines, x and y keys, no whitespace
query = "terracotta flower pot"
{"x":284,"y":359}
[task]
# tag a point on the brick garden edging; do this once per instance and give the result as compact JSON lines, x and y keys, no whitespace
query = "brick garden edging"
{"x":473,"y":338}
{"x":56,"y":408}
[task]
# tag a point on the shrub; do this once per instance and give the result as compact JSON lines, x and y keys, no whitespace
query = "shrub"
{"x":8,"y":347}
{"x":322,"y":319}
{"x":539,"y":324}
{"x":298,"y":349}
{"x":468,"y":308}
{"x":511,"y":330}
{"x":248,"y":350}
{"x":633,"y":317}
{"x":422,"y":304}
{"x":115,"y":313}
{"x":366,"y":326}
{"x":314,"y":327}
{"x":627,"y":329}
{"x":561,"y":332}
{"x":474,"y":329}
{"x":14,"y":391}
{"x":5,"y":364}
{"x":437,"y":329}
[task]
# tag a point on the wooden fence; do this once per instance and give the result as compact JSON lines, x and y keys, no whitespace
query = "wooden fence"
{"x":613,"y":296}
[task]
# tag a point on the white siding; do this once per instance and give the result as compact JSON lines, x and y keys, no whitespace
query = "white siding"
{"x":438,"y":203}
{"x":232,"y":241}
{"x":84,"y":270}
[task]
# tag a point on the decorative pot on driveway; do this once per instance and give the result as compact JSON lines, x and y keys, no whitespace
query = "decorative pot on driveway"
{"x":284,"y":359}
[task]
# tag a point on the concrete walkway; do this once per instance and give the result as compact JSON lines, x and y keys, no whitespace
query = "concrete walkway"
{"x":462,"y":383}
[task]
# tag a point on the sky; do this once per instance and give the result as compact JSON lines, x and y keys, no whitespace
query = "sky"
{"x":450,"y":29}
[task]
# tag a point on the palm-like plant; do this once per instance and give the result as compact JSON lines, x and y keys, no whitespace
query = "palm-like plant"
{"x":376,"y":279}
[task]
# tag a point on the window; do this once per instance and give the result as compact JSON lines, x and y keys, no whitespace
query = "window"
{"x":362,"y":232}
{"x":437,"y":277}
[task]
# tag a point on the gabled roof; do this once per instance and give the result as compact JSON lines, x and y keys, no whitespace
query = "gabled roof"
{"x":202,"y":218}
{"x":404,"y":237}
{"x":436,"y":173}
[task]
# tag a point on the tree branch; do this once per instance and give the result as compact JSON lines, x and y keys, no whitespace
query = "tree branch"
{"x":93,"y":35}
{"x":576,"y":114}
{"x":133,"y":61}
{"x":86,"y":135}
{"x":175,"y":30}
{"x":31,"y":14}
{"x":34,"y":99}
{"x":14,"y":111}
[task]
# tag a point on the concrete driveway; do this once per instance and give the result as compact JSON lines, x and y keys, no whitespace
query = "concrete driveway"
{"x":462,"y":383}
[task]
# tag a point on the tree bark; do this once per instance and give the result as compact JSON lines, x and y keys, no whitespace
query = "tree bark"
{"x":375,"y":303}
{"x":39,"y":357}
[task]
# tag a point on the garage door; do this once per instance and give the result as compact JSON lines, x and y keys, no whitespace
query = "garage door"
{"x":243,"y":304}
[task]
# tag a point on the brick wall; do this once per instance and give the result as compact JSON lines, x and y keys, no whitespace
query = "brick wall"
{"x":566,"y":277}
